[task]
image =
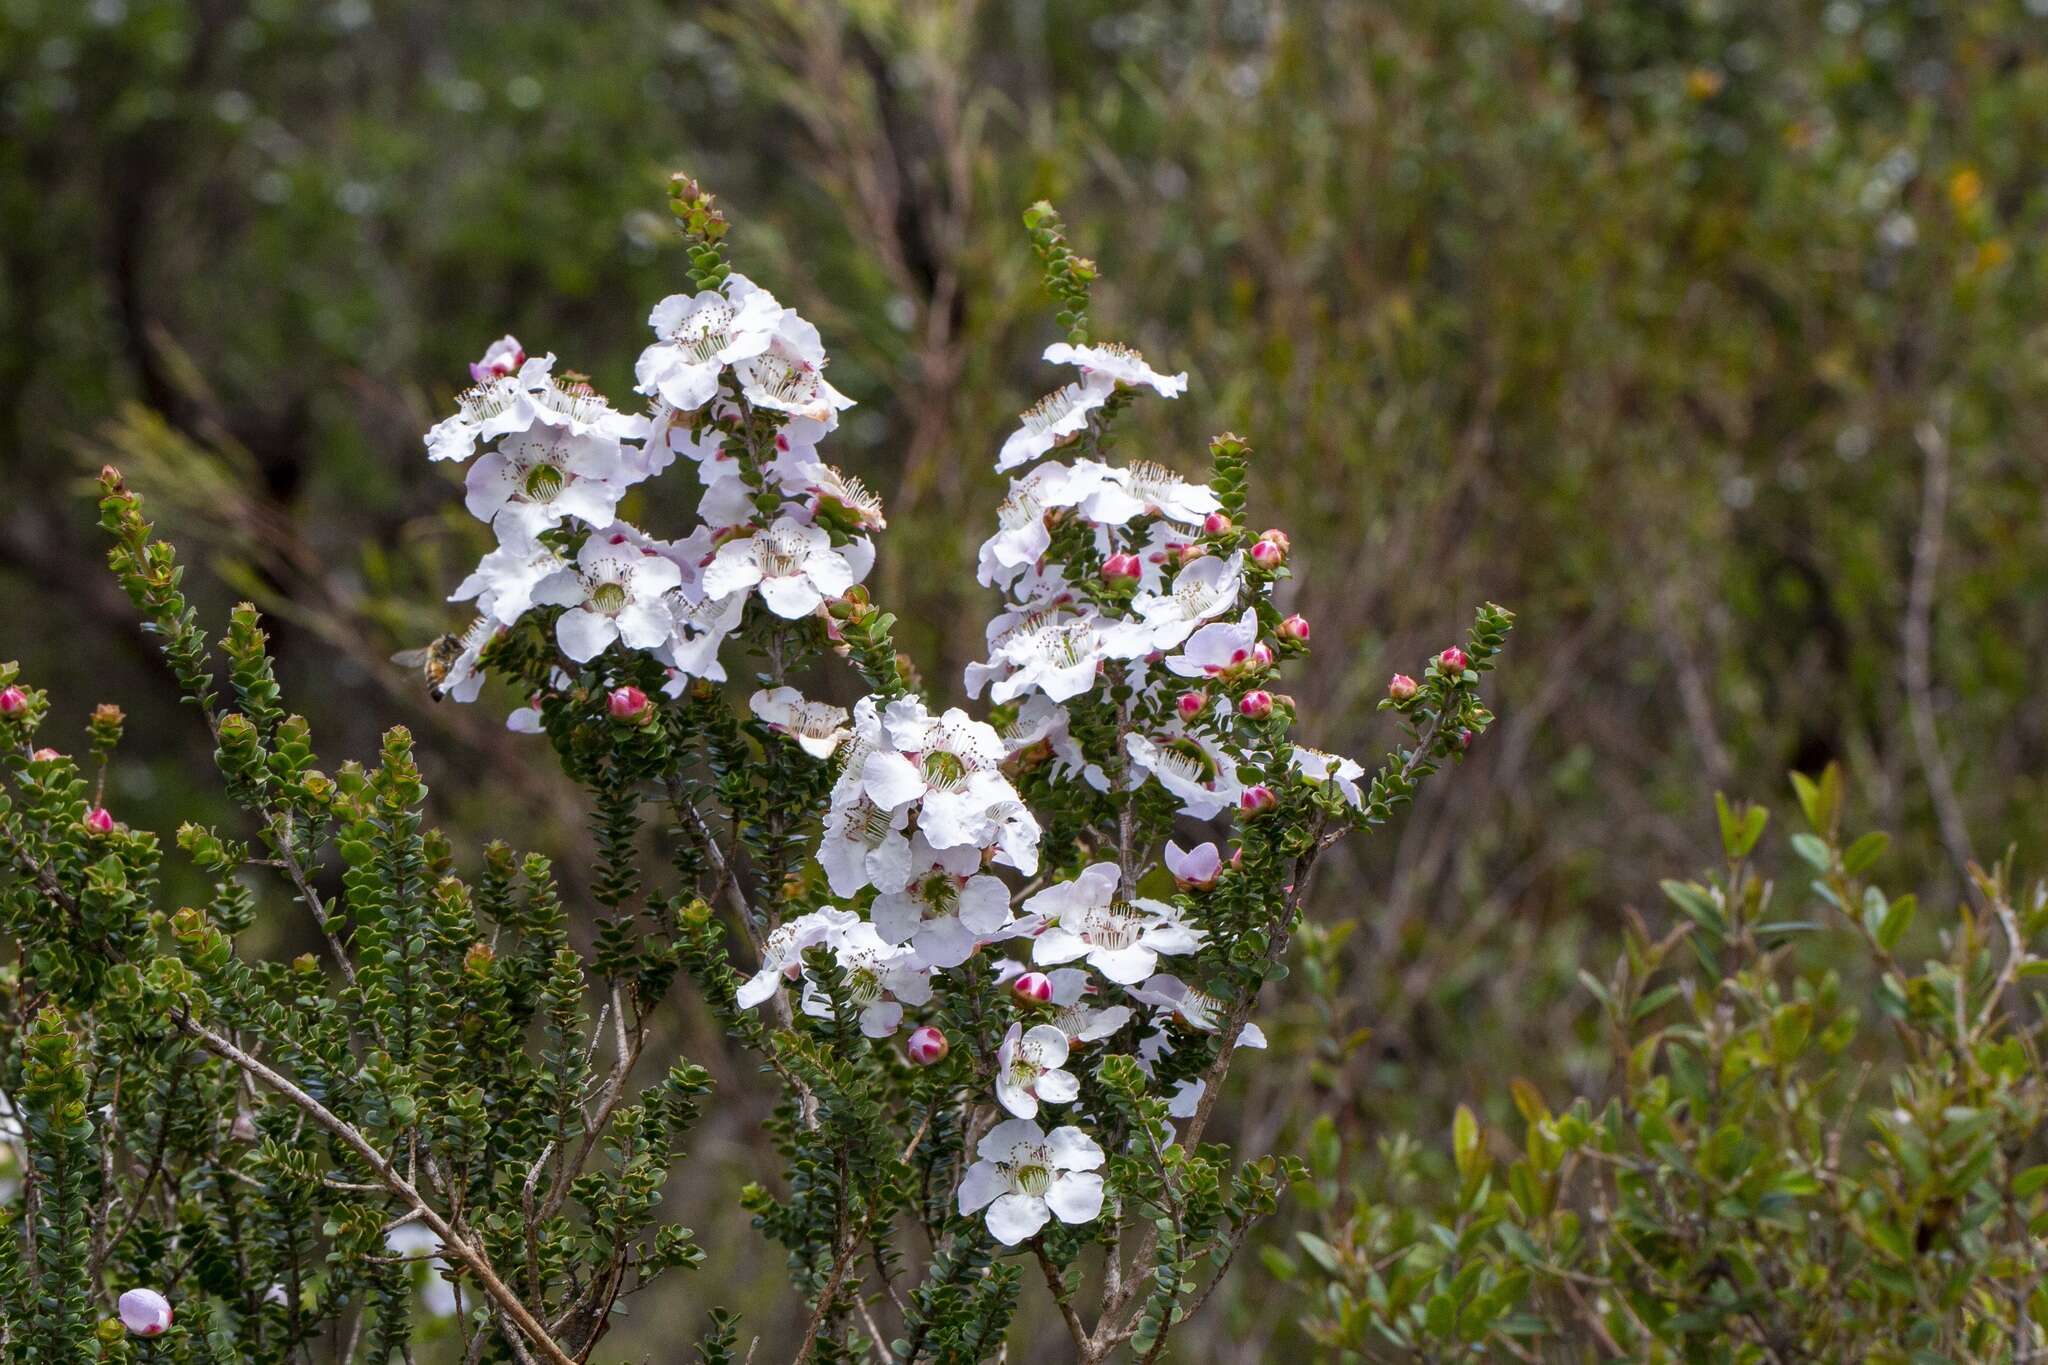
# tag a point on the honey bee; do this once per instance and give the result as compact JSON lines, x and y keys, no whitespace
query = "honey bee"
{"x":433,"y":659}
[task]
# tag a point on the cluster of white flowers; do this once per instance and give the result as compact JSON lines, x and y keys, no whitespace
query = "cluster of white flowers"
{"x":925,"y":812}
{"x":558,"y":459}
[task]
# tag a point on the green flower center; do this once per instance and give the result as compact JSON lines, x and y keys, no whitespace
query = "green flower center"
{"x":609,"y":598}
{"x":543,"y":483}
{"x":1033,"y":1179}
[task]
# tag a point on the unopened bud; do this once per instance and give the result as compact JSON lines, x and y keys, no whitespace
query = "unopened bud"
{"x":1255,"y":705}
{"x":926,"y":1046}
{"x":1257,"y":799}
{"x":477,"y":961}
{"x":243,"y":1129}
{"x":1453,"y":661}
{"x":12,"y":699}
{"x":99,"y":820}
{"x":1268,"y":555}
{"x":1190,"y":705}
{"x":1401,"y":688}
{"x":1294,"y":628}
{"x":1215,"y":524}
{"x":1262,"y":654}
{"x":1035,"y":987}
{"x":44,"y":755}
{"x":626,"y":703}
{"x":145,"y":1312}
{"x":1122,"y":568}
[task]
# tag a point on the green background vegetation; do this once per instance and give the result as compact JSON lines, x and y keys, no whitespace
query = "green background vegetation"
{"x":1684,"y":329}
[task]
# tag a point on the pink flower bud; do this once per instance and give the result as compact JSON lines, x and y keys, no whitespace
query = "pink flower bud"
{"x":12,"y":699}
{"x":1402,"y":688}
{"x":1035,"y":987}
{"x":1294,"y":628}
{"x":1215,"y":523}
{"x":99,"y":820}
{"x":1262,"y":654}
{"x":1267,"y":555}
{"x":1257,"y":799}
{"x":626,"y":703}
{"x":1190,"y":705}
{"x":1464,"y":739}
{"x":1255,"y":705}
{"x":1237,"y":859}
{"x":145,"y":1312}
{"x":1453,"y":660}
{"x":1122,"y":568}
{"x":926,"y":1046}
{"x":44,"y":755}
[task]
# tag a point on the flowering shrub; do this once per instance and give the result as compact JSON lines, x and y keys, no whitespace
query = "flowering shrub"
{"x":998,"y":996}
{"x":1835,"y":1156}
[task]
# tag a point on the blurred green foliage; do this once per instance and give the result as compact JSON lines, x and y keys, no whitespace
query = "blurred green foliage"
{"x":1660,"y":322}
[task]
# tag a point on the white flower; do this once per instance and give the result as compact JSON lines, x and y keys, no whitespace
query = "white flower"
{"x":701,"y":626}
{"x":1055,"y":652}
{"x":818,"y":727}
{"x":782,"y":957}
{"x":496,"y":405}
{"x":1202,"y":591}
{"x":1123,"y":940}
{"x":832,"y":489}
{"x":881,"y":978}
{"x":1319,"y":767}
{"x":1190,"y":766}
{"x":793,"y":566}
{"x":789,"y":376}
{"x":535,"y":479}
{"x":864,"y":844}
{"x":1217,"y":647}
{"x":1041,"y":721}
{"x":1026,"y":1175}
{"x":1081,"y":1021}
{"x":1028,"y":1070}
{"x":943,"y":916}
{"x":1196,"y":867}
{"x":614,"y":592}
{"x":1022,"y":536}
{"x":699,"y":335}
{"x":568,"y":403}
{"x":503,"y":581}
{"x":1054,"y":419}
{"x":502,"y":357}
{"x":1119,"y":363}
{"x":948,"y":766}
{"x":1197,"y":1009}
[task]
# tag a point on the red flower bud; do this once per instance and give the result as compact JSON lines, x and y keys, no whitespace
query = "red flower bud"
{"x":1262,"y":654}
{"x":1268,"y":555}
{"x":1453,"y":660}
{"x":1294,"y":628}
{"x":99,"y":820}
{"x":1255,"y":705}
{"x":1035,"y":987}
{"x":926,"y":1046}
{"x":12,"y":699}
{"x":626,"y":703}
{"x":1402,"y":688}
{"x":43,"y":755}
{"x":1257,"y":799}
{"x":1215,"y":523}
{"x":1190,"y":705}
{"x":1122,"y":568}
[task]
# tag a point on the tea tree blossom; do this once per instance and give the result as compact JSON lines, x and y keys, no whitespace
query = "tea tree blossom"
{"x":1193,"y":869}
{"x":948,"y":767}
{"x":1197,"y":1009}
{"x":782,"y":959}
{"x":818,"y":727}
{"x":498,"y":405}
{"x":1075,"y":1011}
{"x":789,"y":374}
{"x":794,"y":568}
{"x":1118,"y":363}
{"x":881,"y":978}
{"x":1028,"y":1070}
{"x":537,"y":479}
{"x":943,"y":916}
{"x":502,"y":357}
{"x":1026,"y":1176}
{"x":1190,"y":765}
{"x":1202,"y":591}
{"x":503,"y":581}
{"x":1318,"y":767}
{"x":1087,"y":918}
{"x":615,"y":592}
{"x":1054,"y":420}
{"x":699,"y":335}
